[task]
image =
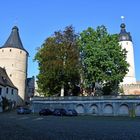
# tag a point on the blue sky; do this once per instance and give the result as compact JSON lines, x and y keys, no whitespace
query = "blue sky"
{"x":38,"y":19}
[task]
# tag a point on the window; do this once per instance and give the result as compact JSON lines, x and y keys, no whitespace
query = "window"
{"x":20,"y":51}
{"x":10,"y":75}
{"x":2,"y":50}
{"x":10,"y":50}
{"x":12,"y":91}
{"x":7,"y":90}
{"x":126,"y":43}
{"x":0,"y":91}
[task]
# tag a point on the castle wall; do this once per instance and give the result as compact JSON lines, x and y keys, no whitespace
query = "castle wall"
{"x":131,"y":89}
{"x":99,"y":106}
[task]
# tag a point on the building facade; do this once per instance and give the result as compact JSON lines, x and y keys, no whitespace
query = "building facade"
{"x":30,"y":88}
{"x":7,"y":91}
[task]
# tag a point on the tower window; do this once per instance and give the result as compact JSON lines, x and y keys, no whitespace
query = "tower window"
{"x":7,"y":90}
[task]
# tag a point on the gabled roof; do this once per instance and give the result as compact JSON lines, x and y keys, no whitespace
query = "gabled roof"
{"x":14,"y":40}
{"x":4,"y":79}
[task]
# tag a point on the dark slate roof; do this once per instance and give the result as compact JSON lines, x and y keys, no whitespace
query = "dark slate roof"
{"x":14,"y":40}
{"x":4,"y":79}
{"x":124,"y":35}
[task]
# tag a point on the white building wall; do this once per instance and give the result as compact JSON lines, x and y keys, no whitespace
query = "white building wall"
{"x":15,"y":62}
{"x":130,"y":76}
{"x":11,"y":95}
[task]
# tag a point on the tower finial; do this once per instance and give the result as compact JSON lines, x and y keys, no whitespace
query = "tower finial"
{"x":122,"y":17}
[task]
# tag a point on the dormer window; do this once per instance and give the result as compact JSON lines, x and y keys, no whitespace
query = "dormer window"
{"x":4,"y":79}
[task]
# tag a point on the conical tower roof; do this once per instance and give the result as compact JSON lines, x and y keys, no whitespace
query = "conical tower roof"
{"x":14,"y":40}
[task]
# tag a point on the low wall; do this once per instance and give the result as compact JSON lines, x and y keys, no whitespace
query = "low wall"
{"x":100,"y":106}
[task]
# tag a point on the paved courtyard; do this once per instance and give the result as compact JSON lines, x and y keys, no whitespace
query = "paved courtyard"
{"x":34,"y":127}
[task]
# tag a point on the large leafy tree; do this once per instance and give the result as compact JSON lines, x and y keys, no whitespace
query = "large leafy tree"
{"x":58,"y":60}
{"x":103,"y":59}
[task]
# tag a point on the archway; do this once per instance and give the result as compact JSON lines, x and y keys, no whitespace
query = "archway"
{"x":123,"y":110}
{"x":137,"y":110}
{"x":93,"y":109}
{"x":80,"y":109}
{"x":108,"y":110}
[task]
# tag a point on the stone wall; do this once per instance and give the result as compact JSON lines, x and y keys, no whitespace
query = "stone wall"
{"x":131,"y":89}
{"x":99,"y":106}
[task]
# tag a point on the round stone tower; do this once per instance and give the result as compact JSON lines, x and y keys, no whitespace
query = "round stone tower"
{"x":13,"y":57}
{"x":125,"y":40}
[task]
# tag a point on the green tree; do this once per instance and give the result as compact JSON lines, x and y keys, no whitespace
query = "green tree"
{"x":58,"y":60}
{"x":103,"y":60}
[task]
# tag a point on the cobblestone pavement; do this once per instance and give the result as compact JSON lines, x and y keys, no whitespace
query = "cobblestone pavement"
{"x":34,"y":127}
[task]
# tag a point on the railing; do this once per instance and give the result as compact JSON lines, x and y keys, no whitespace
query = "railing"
{"x":77,"y":98}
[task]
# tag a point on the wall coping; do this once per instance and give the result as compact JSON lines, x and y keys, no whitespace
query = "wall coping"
{"x":85,"y":98}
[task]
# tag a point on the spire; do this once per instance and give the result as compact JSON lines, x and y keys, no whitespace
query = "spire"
{"x":124,"y":35}
{"x":14,"y":40}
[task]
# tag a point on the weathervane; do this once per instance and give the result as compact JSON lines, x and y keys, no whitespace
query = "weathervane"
{"x":122,"y":17}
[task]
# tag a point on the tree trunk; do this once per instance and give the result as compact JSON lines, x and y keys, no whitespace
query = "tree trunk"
{"x":62,"y":91}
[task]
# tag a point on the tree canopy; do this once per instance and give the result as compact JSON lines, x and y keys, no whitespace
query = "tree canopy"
{"x":93,"y":58}
{"x":58,"y":60}
{"x":103,"y":59}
